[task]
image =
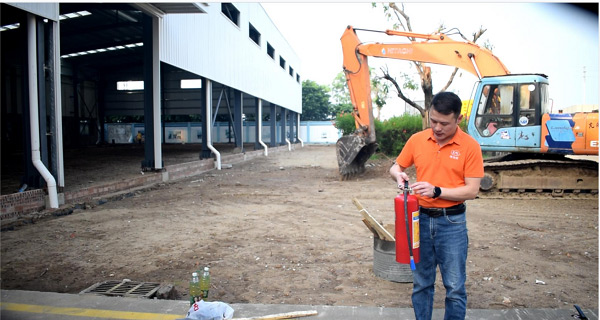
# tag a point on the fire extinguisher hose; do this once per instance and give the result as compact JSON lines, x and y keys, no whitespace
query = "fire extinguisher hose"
{"x":407,"y":221}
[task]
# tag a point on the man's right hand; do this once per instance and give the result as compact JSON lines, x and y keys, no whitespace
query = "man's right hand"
{"x":401,"y":178}
{"x":397,"y":173}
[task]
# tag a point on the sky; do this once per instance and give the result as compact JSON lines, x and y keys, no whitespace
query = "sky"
{"x":551,"y":38}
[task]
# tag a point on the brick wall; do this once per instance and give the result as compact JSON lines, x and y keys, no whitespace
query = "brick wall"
{"x":111,"y":187}
{"x":189,"y":169}
{"x":16,"y":204}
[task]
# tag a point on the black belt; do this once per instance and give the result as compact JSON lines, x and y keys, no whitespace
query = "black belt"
{"x":438,"y":212}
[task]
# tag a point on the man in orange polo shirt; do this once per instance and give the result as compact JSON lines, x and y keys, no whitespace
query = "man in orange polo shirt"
{"x":449,"y":168}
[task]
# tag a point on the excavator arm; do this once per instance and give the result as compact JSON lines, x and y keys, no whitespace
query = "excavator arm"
{"x":355,"y":149}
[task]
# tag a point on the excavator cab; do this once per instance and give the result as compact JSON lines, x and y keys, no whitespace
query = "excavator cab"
{"x":511,"y":115}
{"x":506,"y":116}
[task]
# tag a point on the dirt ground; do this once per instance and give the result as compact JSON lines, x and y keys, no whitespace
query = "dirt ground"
{"x":283,"y":229}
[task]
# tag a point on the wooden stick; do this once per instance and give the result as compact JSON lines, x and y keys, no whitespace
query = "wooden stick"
{"x":383,"y":234}
{"x":288,"y":315}
{"x":369,"y":227}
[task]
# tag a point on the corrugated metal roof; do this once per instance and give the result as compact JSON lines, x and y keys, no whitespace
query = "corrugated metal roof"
{"x":172,"y":8}
{"x":108,"y":27}
{"x":46,"y":10}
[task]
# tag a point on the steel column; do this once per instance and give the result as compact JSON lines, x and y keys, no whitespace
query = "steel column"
{"x":283,"y":122}
{"x":238,"y":121}
{"x":273,"y":142}
{"x":206,"y":122}
{"x":292,"y":121}
{"x":55,"y":104}
{"x":152,"y":121}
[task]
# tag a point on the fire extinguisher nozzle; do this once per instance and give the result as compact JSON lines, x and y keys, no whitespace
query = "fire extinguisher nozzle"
{"x":412,"y":264}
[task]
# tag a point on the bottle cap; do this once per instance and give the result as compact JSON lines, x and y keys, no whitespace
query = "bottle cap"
{"x":205,"y":268}
{"x":194,"y":274}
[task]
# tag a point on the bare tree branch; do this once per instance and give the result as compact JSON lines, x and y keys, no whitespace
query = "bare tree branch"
{"x":423,"y":69}
{"x":450,"y":80}
{"x":478,"y":34}
{"x":404,"y":15}
{"x":387,"y":76}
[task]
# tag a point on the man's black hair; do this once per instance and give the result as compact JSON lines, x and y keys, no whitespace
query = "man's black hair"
{"x":447,"y":103}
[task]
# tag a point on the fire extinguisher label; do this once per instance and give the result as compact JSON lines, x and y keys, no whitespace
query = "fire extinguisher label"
{"x":415,"y":229}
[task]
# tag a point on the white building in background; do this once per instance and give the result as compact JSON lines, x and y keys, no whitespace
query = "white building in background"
{"x":88,"y":62}
{"x":237,"y":45}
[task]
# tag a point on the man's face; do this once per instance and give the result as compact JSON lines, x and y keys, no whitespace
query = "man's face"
{"x":486,"y":90}
{"x":443,"y":126}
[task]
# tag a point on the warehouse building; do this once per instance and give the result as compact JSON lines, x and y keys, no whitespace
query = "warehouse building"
{"x":70,"y":71}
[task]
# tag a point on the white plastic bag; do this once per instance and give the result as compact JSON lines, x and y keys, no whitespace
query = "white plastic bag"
{"x":202,"y":310}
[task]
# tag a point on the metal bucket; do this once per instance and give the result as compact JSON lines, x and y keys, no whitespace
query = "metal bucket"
{"x":385,"y":265}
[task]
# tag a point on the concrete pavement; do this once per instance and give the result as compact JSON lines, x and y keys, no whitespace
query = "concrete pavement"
{"x":32,"y":305}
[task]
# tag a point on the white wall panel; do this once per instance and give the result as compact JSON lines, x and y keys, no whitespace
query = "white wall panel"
{"x":211,"y":46}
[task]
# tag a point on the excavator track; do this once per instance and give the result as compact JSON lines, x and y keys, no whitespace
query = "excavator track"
{"x":540,"y":179}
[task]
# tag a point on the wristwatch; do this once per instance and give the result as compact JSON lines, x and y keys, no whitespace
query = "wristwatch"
{"x":437,"y":191}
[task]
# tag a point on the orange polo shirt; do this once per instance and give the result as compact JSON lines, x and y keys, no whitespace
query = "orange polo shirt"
{"x":445,"y":167}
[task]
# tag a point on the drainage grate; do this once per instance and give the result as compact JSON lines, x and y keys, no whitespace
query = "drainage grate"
{"x":125,"y":288}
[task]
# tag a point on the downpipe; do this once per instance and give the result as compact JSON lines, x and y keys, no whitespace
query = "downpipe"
{"x":34,"y":120}
{"x":209,"y":124}
{"x":298,"y":134}
{"x":259,"y":124}
{"x":288,"y":143}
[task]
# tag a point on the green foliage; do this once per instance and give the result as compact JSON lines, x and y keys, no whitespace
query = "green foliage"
{"x":379,"y":90}
{"x":315,"y":102}
{"x":464,"y":124}
{"x":340,"y":95}
{"x":339,"y":90}
{"x":345,"y":122}
{"x":342,"y":108}
{"x":393,"y":133}
{"x":409,"y":83}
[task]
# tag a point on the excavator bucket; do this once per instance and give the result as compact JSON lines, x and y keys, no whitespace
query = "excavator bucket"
{"x":352,"y":153}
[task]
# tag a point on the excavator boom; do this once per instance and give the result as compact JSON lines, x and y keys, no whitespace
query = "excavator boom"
{"x":355,"y":149}
{"x":445,"y":52}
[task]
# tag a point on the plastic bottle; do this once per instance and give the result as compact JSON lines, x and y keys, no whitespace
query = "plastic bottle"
{"x":205,"y":283}
{"x":195,"y":289}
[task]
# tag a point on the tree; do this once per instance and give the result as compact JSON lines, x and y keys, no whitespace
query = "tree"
{"x":315,"y":102}
{"x":379,"y":92}
{"x":339,"y":90}
{"x":341,"y":94}
{"x":402,"y":21}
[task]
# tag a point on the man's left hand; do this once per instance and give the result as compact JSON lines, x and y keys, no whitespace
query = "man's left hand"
{"x":423,"y":188}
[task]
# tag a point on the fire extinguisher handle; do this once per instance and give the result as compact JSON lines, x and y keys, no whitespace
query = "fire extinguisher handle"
{"x":407,"y":221}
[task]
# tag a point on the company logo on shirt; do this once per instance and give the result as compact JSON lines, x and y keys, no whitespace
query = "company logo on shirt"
{"x":454,"y":154}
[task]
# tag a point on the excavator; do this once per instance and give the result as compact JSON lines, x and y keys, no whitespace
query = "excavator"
{"x":510,"y":116}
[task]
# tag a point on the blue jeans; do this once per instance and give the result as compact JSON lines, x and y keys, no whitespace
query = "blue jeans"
{"x":444,"y":242}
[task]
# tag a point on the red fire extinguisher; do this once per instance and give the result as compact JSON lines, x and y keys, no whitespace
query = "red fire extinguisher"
{"x":407,"y":228}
